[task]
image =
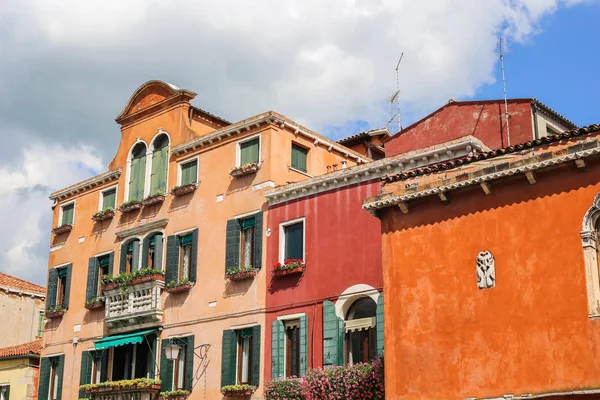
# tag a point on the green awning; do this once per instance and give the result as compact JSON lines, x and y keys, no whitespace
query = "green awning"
{"x":120,"y":340}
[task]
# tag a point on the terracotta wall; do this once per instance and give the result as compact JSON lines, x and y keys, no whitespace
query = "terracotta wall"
{"x":484,"y":120}
{"x":343,"y":249}
{"x":447,"y":339}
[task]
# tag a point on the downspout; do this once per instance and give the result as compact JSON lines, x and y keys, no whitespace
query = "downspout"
{"x":535,"y":122}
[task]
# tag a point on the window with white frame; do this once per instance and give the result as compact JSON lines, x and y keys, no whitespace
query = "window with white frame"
{"x":292,"y":240}
{"x":188,"y":172}
{"x":160,"y":164}
{"x":4,"y":392}
{"x":67,"y":214}
{"x":108,"y":199}
{"x":185,"y":257}
{"x":137,"y":172}
{"x":248,"y":151}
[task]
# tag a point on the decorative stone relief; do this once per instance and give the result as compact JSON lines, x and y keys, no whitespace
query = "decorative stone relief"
{"x":486,"y":270}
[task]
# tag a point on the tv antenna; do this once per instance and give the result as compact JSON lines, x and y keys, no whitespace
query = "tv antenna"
{"x":504,"y":86}
{"x":395,"y":101}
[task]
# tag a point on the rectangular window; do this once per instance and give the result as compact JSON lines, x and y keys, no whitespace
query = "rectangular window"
{"x":189,"y":172}
{"x":292,"y":242}
{"x":40,"y":323}
{"x":249,"y":151}
{"x":247,"y":241}
{"x":244,"y":373}
{"x":185,"y":257}
{"x":67,"y":213}
{"x":109,"y":198}
{"x":61,"y":288}
{"x":54,"y":382}
{"x":299,"y":156}
{"x":4,"y":392}
{"x":292,"y":348}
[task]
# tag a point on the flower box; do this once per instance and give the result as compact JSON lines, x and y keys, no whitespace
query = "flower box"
{"x":122,"y":388}
{"x":102,"y":216}
{"x":155,"y":199}
{"x":129,"y":207}
{"x":55,"y":314}
{"x":95,"y":305}
{"x":62,"y":229}
{"x":175,"y":395}
{"x":245,"y":169}
{"x":289,"y":271}
{"x":241,"y":275}
{"x":185,"y":287}
{"x":241,"y":391}
{"x":184,"y":189}
{"x":147,"y":278}
{"x":109,"y":286}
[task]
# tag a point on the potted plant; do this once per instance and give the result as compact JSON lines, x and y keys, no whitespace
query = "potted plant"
{"x":124,"y":279}
{"x":94,"y":303}
{"x":175,"y":395}
{"x":130,"y":205}
{"x":246,"y":169}
{"x":154,"y":198}
{"x":289,"y":266}
{"x":62,"y":229}
{"x":237,"y":390}
{"x":104,"y":214}
{"x":56,"y":311}
{"x":241,"y":273}
{"x":138,"y":384}
{"x":180,"y":190}
{"x":178,"y":287}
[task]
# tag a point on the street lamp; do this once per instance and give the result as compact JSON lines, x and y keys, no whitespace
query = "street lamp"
{"x":172,"y":352}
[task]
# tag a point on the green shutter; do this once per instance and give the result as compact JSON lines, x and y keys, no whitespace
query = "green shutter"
{"x":123,"y":260}
{"x":303,"y":344}
{"x":189,"y":172}
{"x":85,"y":373}
{"x":145,"y":249}
{"x":136,"y":254}
{"x":380,"y":325}
{"x":158,"y":251}
{"x":228,"y":358}
{"x":52,"y":287}
{"x":299,"y":155}
{"x":258,"y":235}
{"x":67,"y":286}
{"x":111,"y":262}
{"x":331,"y":335}
{"x":158,"y":178}
{"x":277,"y":348}
{"x":137,"y":178}
{"x":60,"y":367}
{"x":44,"y":378}
{"x":166,"y":368}
{"x":232,"y":245}
{"x":67,"y":214}
{"x":189,"y":363}
{"x":91,"y":289}
{"x":249,"y":151}
{"x":294,"y":241}
{"x":109,"y":198}
{"x":341,"y":337}
{"x":172,"y":261}
{"x":194,"y":256}
{"x":255,"y":362}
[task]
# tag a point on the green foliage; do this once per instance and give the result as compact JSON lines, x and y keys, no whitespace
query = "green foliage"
{"x":243,"y":268}
{"x":94,"y":300}
{"x":104,"y":211}
{"x":174,"y":283}
{"x":284,"y":389}
{"x":183,"y":186}
{"x":155,"y":194}
{"x":232,"y":389}
{"x":130,"y":203}
{"x":124,"y":279}
{"x":139,"y":383}
{"x":56,"y":309}
{"x":173,"y":393}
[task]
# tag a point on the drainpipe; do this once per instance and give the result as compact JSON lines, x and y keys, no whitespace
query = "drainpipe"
{"x":535,"y":122}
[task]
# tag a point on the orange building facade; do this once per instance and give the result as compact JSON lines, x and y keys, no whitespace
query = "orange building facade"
{"x":490,"y":273}
{"x":180,"y":218}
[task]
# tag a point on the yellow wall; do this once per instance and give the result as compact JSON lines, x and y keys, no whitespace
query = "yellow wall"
{"x":21,"y":376}
{"x":19,"y":314}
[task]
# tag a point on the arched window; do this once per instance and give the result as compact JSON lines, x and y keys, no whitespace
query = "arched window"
{"x":153,"y":251}
{"x":361,"y":331}
{"x":590,"y":235}
{"x":130,"y":256}
{"x":160,"y":159}
{"x":137,"y":172}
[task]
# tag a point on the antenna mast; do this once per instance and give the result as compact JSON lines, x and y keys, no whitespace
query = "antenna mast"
{"x":395,"y":101}
{"x":505,"y":100}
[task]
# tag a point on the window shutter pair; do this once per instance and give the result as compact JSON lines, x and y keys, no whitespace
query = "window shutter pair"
{"x":172,"y":262}
{"x":67,"y":214}
{"x":189,"y":172}
{"x":91,"y":289}
{"x":294,"y":241}
{"x":299,"y":155}
{"x":158,"y":250}
{"x":109,"y":199}
{"x":249,"y":151}
{"x":278,"y":348}
{"x":333,"y":336}
{"x":232,"y":242}
{"x":85,"y":374}
{"x":158,"y":178}
{"x":379,"y":317}
{"x":44,"y":376}
{"x":166,"y":366}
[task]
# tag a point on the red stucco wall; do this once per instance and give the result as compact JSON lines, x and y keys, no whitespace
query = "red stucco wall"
{"x":447,"y":339}
{"x":483,"y":120}
{"x":343,"y":248}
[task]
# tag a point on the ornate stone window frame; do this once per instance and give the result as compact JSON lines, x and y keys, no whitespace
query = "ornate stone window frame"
{"x":589,"y":241}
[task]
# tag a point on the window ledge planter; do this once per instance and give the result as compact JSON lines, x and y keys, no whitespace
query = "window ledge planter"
{"x":184,"y":189}
{"x":241,"y":274}
{"x":62,"y":229}
{"x":237,"y":390}
{"x":290,"y":267}
{"x":134,"y":385}
{"x":179,"y":287}
{"x":94,"y":304}
{"x":130,"y":206}
{"x":147,"y":278}
{"x":245,"y":169}
{"x":103,"y":215}
{"x":123,"y":280}
{"x":175,"y":395}
{"x":55,"y":313}
{"x":153,"y":199}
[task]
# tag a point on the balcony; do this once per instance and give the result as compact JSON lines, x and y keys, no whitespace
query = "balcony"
{"x":137,"y":306}
{"x":137,"y":389}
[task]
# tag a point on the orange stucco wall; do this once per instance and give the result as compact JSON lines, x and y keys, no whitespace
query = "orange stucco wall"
{"x":237,"y":303}
{"x":447,"y":339}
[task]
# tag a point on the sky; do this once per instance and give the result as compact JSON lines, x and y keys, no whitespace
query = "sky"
{"x":68,"y":67}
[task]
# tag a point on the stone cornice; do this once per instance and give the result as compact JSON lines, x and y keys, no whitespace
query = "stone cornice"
{"x":86,"y":185}
{"x":392,"y":199}
{"x":21,"y":292}
{"x":136,"y":230}
{"x":374,"y":170}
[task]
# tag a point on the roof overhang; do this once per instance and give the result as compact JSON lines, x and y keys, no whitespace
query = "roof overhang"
{"x":97,"y":180}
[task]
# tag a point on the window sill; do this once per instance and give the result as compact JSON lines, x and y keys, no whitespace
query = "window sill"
{"x":62,"y":229}
{"x":300,"y":172}
{"x":245,"y":169}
